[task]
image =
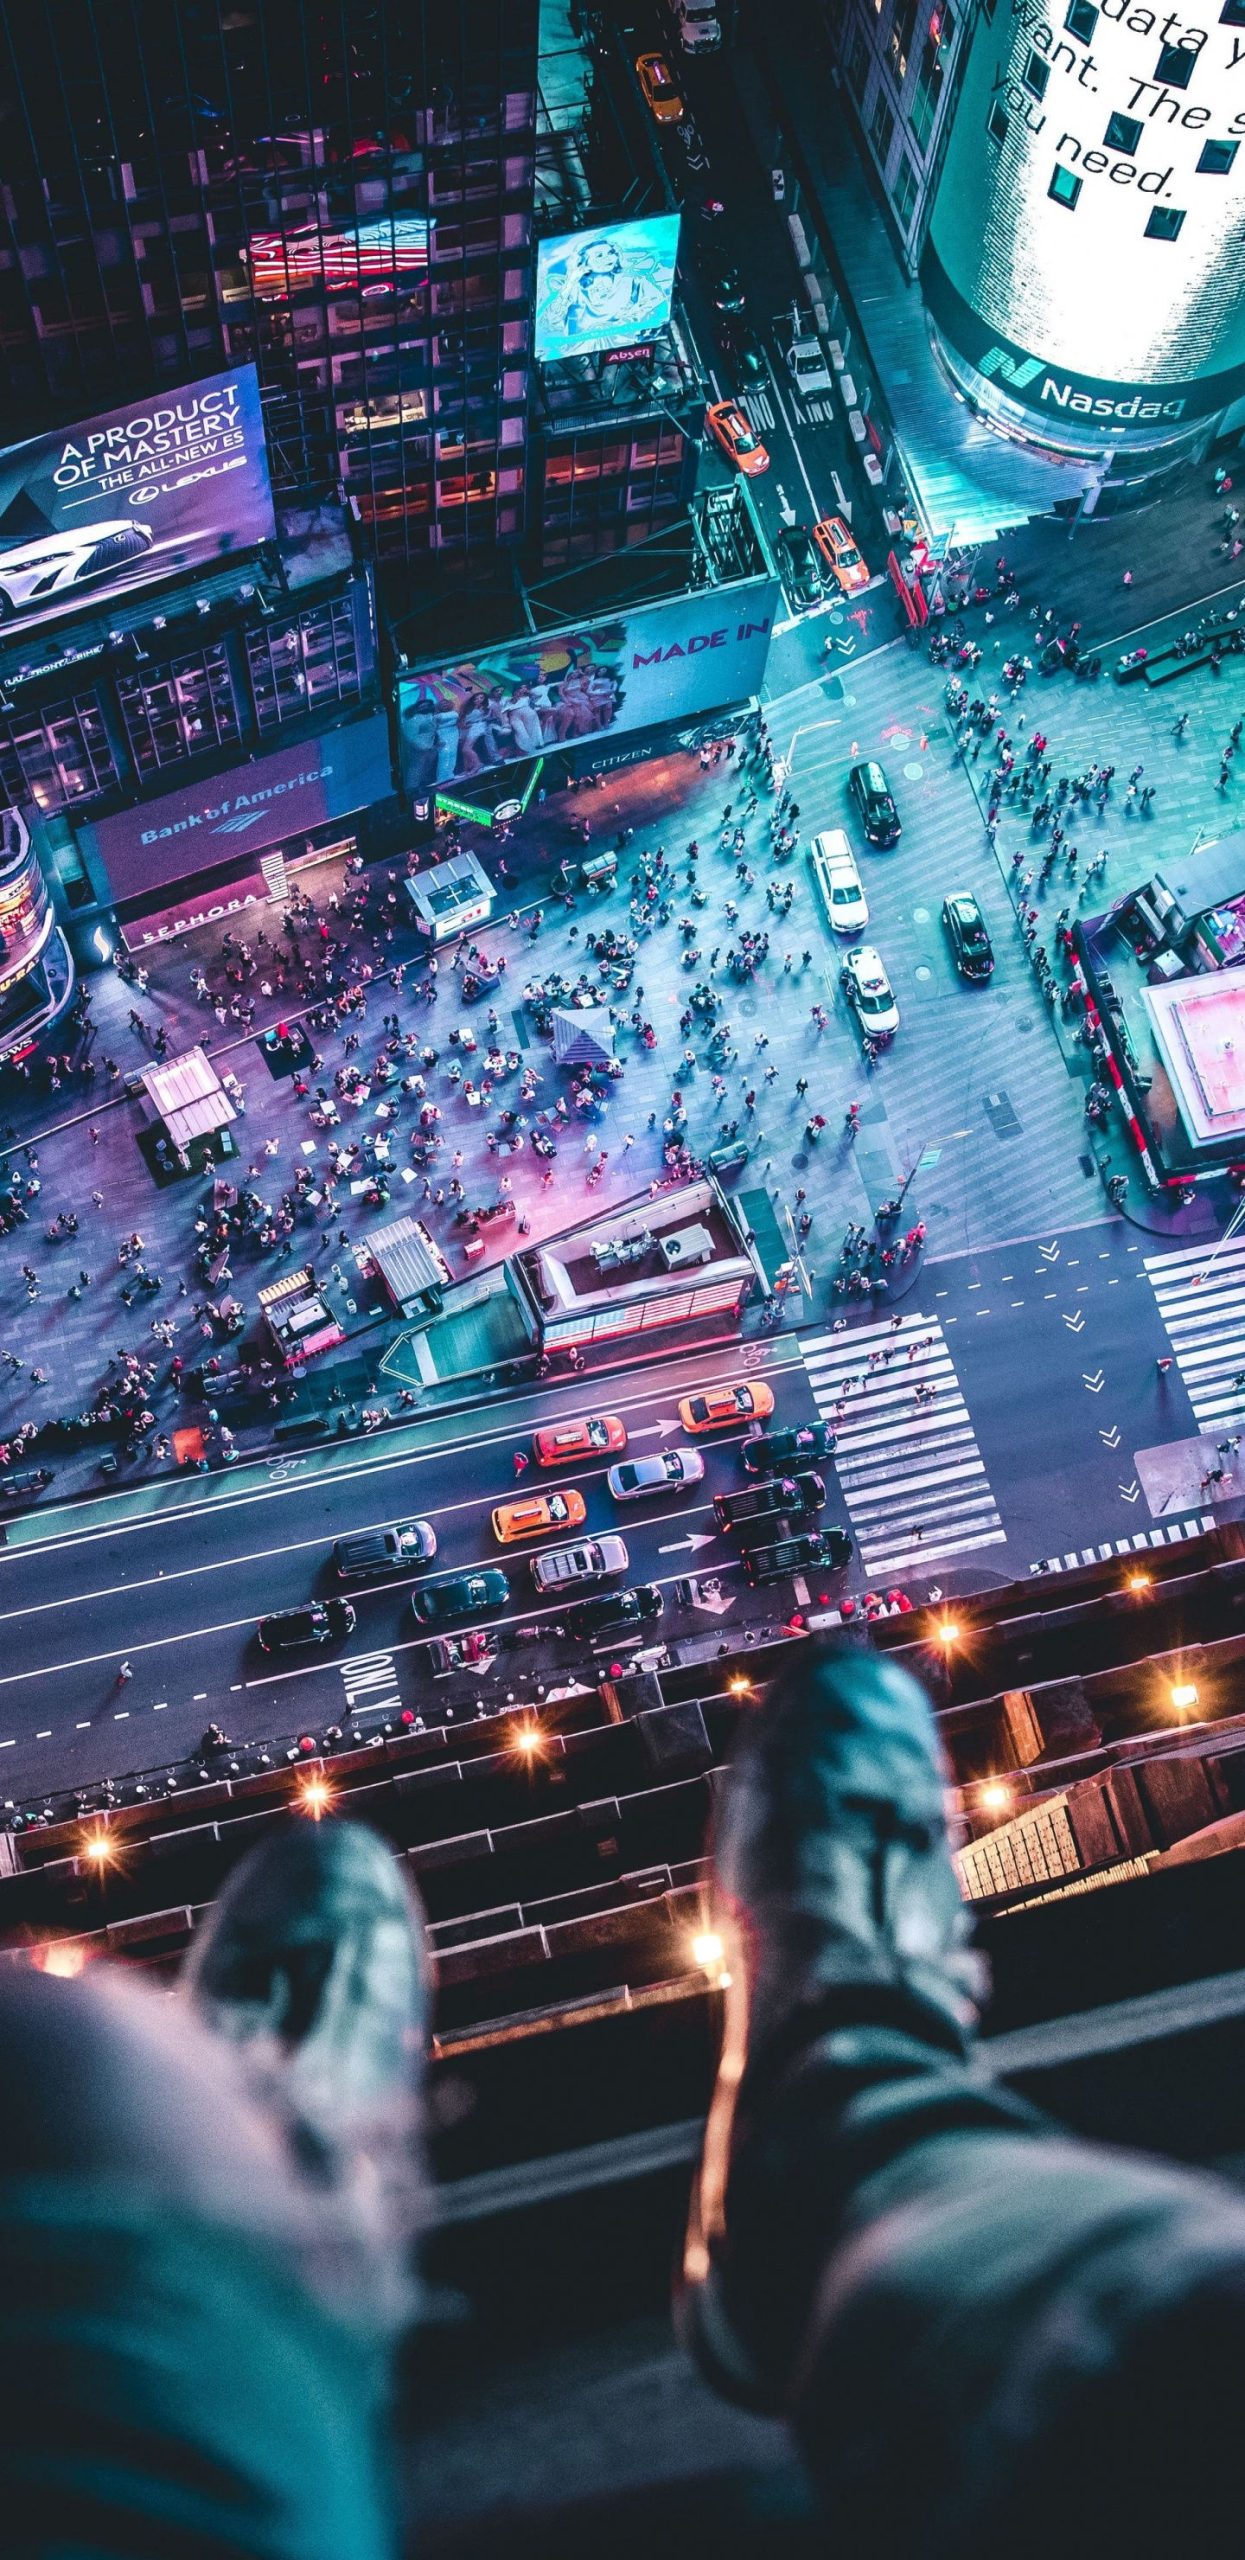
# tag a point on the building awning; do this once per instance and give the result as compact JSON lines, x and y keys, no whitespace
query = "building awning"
{"x":410,"y":1263}
{"x":583,"y":1039}
{"x":188,"y":1097}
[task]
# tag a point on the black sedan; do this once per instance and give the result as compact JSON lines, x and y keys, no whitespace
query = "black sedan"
{"x":766,"y":1451}
{"x":872,"y":794}
{"x":830,"y":1547}
{"x":741,"y":349}
{"x":465,"y":1595}
{"x":800,"y":566}
{"x":319,"y":1622}
{"x":726,"y":289}
{"x":615,"y":1613}
{"x":971,"y":947}
{"x":798,"y":1496}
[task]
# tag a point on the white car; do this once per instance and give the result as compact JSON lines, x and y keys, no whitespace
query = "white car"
{"x":589,"y":1560}
{"x":663,"y":1473}
{"x":34,"y":573}
{"x":869,"y":993}
{"x":841,"y":886}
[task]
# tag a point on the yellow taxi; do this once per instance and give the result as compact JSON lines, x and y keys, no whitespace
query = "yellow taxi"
{"x":661,"y":96}
{"x":534,"y":1513}
{"x":715,"y":1407}
{"x":840,"y":554}
{"x":592,"y":1435}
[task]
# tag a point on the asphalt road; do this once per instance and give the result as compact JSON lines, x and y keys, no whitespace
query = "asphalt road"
{"x":173,"y":1577}
{"x":1050,"y":1436}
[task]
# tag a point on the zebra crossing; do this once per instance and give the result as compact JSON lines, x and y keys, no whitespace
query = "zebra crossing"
{"x":1172,"y":1533}
{"x":910,"y":1471}
{"x":1201,"y":1299}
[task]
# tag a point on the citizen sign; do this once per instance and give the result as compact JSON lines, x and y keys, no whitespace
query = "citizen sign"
{"x":231,"y":816}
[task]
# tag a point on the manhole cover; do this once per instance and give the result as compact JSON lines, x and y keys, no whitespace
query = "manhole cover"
{"x":913,"y":772}
{"x":900,"y":738}
{"x":800,"y":1163}
{"x":922,"y":975}
{"x":920,"y":915}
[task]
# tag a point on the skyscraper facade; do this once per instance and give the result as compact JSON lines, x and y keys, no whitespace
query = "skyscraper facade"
{"x":339,"y":191}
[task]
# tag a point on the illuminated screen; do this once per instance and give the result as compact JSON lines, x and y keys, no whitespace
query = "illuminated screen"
{"x":138,"y":494}
{"x":605,"y":288}
{"x":1085,"y":247}
{"x":373,"y":253}
{"x":559,"y":689}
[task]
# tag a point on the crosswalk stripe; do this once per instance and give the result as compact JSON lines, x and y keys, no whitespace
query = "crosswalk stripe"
{"x":1205,"y":1326}
{"x":910,"y":1471}
{"x":1172,"y":1534}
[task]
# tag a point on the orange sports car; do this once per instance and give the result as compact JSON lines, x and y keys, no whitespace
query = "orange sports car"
{"x":593,"y":1435}
{"x":729,"y":427}
{"x":716,"y":1406}
{"x":534,"y":1513}
{"x":661,"y":96}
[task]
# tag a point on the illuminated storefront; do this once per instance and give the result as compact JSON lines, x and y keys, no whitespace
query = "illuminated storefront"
{"x":36,"y":972}
{"x":1082,"y":268}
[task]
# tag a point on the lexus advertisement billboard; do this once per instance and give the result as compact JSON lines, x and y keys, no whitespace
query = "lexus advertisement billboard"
{"x":560,"y":689}
{"x":1084,"y":254}
{"x":604,"y":288}
{"x":92,"y":512}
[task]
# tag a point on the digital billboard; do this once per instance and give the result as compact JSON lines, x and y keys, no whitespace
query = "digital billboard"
{"x":369,"y":254}
{"x":1084,"y":253}
{"x":604,"y":288}
{"x":559,"y":689}
{"x":245,"y":808}
{"x":96,"y":510}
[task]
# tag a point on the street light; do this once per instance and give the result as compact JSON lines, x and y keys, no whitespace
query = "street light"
{"x":1183,"y":1694}
{"x":995,"y":1796}
{"x":315,"y":1796}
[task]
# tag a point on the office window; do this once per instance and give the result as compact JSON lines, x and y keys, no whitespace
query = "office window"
{"x":996,"y":124}
{"x":1065,"y":186}
{"x":882,"y":127}
{"x":857,"y":65}
{"x":1036,"y":75}
{"x":1123,"y":134}
{"x":1175,"y":67}
{"x":922,"y":117}
{"x":1081,"y":20}
{"x":904,"y":195}
{"x":1164,"y":223}
{"x":1217,"y":159}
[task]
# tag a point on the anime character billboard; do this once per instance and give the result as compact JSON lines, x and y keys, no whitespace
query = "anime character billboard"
{"x":604,"y":288}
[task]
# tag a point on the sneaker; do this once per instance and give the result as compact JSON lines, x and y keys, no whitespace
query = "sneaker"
{"x":313,"y":1956}
{"x":847,"y":1947}
{"x":312,"y":1960}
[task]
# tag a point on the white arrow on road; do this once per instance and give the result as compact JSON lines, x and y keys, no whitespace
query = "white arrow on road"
{"x":845,"y":504}
{"x":785,"y":508}
{"x":1049,"y":1252}
{"x":1094,"y":1384}
{"x":1076,"y":1323}
{"x":646,"y":1429}
{"x":698,"y":1538}
{"x":1110,"y":1439}
{"x":1129,"y":1492}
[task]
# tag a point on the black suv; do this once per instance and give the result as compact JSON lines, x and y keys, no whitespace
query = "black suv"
{"x":615,"y":1612}
{"x":832,"y":1547}
{"x":468,"y":1595}
{"x":317,"y":1622}
{"x":799,"y":1496}
{"x":871,"y":792}
{"x":971,"y":948}
{"x":765,"y":1451}
{"x":740,"y":346}
{"x":800,"y":566}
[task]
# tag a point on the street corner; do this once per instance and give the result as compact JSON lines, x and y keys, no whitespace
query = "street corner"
{"x":1179,"y":1475}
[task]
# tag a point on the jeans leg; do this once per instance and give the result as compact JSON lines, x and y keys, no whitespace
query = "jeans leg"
{"x":1027,"y":2345}
{"x":175,"y":2376}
